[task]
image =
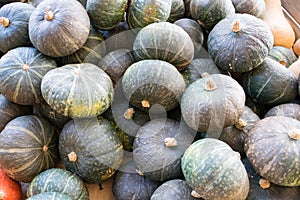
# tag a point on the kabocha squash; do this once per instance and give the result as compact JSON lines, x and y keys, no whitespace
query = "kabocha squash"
{"x":144,"y":12}
{"x":10,"y":189}
{"x":106,"y":14}
{"x":175,"y":189}
{"x":270,"y":83}
{"x":147,"y":83}
{"x":262,"y":189}
{"x":239,"y":42}
{"x":209,"y":12}
{"x":35,"y":3}
{"x":212,"y":103}
{"x":164,"y":41}
{"x":287,"y":109}
{"x":59,"y":28}
{"x":281,"y":29}
{"x":60,"y":181}
{"x":214,"y":170}
{"x":253,"y":7}
{"x":187,"y":8}
{"x":91,"y":149}
{"x":158,"y":148}
{"x":275,"y":154}
{"x":10,"y":110}
{"x":283,"y":55}
{"x":21,"y":73}
{"x":50,"y":195}
{"x":14,"y":18}
{"x":235,"y":135}
{"x":177,"y":10}
{"x":28,"y":146}
{"x":78,"y":90}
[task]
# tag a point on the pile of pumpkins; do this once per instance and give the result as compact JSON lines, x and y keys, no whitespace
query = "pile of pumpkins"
{"x":168,"y":99}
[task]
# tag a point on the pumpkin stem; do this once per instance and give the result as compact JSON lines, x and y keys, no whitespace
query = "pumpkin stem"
{"x":139,"y":172}
{"x":45,"y":148}
{"x":170,"y":142}
{"x":129,"y":113}
{"x":210,"y":85}
{"x":283,"y":63}
{"x":264,"y":184}
{"x":25,"y":67}
{"x":145,"y":104}
{"x":241,"y":124}
{"x":4,"y":21}
{"x":236,"y":26}
{"x":204,"y":74}
{"x":295,"y":134}
{"x":72,"y":156}
{"x":195,"y":194}
{"x":49,"y":15}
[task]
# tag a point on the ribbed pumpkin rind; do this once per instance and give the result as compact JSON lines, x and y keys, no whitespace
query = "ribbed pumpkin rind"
{"x":50,"y":195}
{"x":254,"y":7}
{"x":283,"y":55}
{"x":286,"y":109}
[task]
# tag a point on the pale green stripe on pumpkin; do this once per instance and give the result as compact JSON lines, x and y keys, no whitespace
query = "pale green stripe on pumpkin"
{"x":24,"y":130}
{"x":49,"y":176}
{"x":4,"y":112}
{"x":263,"y":87}
{"x":92,"y":52}
{"x":95,"y":38}
{"x":281,"y":95}
{"x":66,"y":185}
{"x":33,"y":89}
{"x":4,"y":81}
{"x":41,"y":126}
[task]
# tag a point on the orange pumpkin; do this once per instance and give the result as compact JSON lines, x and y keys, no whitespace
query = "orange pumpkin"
{"x":9,"y":188}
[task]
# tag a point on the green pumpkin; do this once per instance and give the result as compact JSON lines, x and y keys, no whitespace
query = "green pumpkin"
{"x":50,"y":195}
{"x":177,"y":10}
{"x":14,"y":18}
{"x":256,"y":8}
{"x":21,"y":73}
{"x":78,"y":90}
{"x":283,"y":55}
{"x":28,"y":146}
{"x":240,"y":42}
{"x":59,"y":28}
{"x":91,"y":149}
{"x":214,"y":170}
{"x":59,"y":181}
{"x":286,"y":109}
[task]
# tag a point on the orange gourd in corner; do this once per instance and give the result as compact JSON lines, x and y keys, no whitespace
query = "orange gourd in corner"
{"x":296,"y":47}
{"x":283,"y":32}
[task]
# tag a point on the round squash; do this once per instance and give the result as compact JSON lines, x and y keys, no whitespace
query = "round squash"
{"x":35,"y":3}
{"x":10,"y":110}
{"x":78,"y":90}
{"x":10,"y":189}
{"x":164,"y":41}
{"x":147,"y":83}
{"x":209,"y":12}
{"x":177,"y":10}
{"x":21,"y":73}
{"x":28,"y":146}
{"x":175,"y":189}
{"x":91,"y":149}
{"x":283,"y":55}
{"x":59,"y":28}
{"x":270,"y":83}
{"x":214,"y":171}
{"x":272,"y":146}
{"x":144,"y":12}
{"x":158,"y":148}
{"x":14,"y":18}
{"x":239,"y":42}
{"x":253,"y":7}
{"x":59,"y":181}
{"x":287,"y":109}
{"x":106,"y":14}
{"x":212,"y":103}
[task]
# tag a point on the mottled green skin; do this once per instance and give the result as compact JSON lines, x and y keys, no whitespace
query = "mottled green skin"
{"x":97,"y":145}
{"x":177,"y":10}
{"x":144,"y":12}
{"x":65,"y":33}
{"x":214,"y":170}
{"x":21,"y":147}
{"x":273,"y":154}
{"x":243,"y":50}
{"x":106,"y":14}
{"x":235,"y":137}
{"x":210,"y":12}
{"x":21,"y":86}
{"x":155,"y":81}
{"x":58,"y":180}
{"x":10,"y":110}
{"x":286,"y":109}
{"x":156,"y":160}
{"x":175,"y":189}
{"x":212,"y":110}
{"x":256,"y":192}
{"x":50,"y":195}
{"x":78,"y":90}
{"x":285,"y":56}
{"x":270,"y":83}
{"x":16,"y":33}
{"x":253,"y":7}
{"x":164,"y":41}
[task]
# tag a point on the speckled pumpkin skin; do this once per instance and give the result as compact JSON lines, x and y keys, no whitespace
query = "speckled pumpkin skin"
{"x":272,"y":153}
{"x":254,"y":7}
{"x":286,"y":109}
{"x":214,"y":170}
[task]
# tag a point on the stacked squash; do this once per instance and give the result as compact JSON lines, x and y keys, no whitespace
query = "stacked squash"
{"x":178,"y":99}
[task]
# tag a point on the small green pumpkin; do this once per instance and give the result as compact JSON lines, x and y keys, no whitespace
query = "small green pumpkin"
{"x":60,"y":181}
{"x":283,"y":55}
{"x":256,"y":8}
{"x":14,"y":19}
{"x":50,"y":195}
